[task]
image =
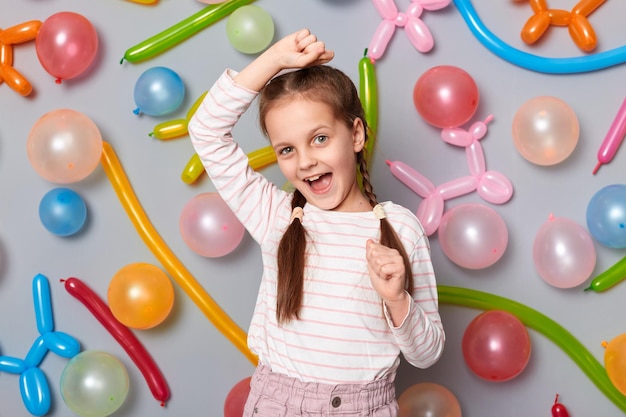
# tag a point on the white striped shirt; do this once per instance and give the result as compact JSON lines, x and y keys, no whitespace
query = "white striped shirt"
{"x":343,"y":334}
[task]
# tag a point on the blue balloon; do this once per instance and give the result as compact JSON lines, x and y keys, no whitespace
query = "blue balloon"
{"x":12,"y":365}
{"x":43,"y":306}
{"x":35,"y":391}
{"x":158,"y":91}
{"x":62,"y":211}
{"x":606,"y":216}
{"x":62,"y":344}
{"x":36,"y":353}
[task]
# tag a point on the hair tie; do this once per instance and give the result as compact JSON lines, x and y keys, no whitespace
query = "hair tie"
{"x":379,"y":212}
{"x":296,"y":213}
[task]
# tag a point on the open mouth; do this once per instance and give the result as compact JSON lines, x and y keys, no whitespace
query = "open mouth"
{"x":319,"y":183}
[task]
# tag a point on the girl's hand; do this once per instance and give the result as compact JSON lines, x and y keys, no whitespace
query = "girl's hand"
{"x":387,"y":273}
{"x":299,"y":50}
{"x":386,"y":269}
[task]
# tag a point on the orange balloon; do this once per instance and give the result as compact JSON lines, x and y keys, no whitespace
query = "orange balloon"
{"x":615,"y":362}
{"x":427,"y":399}
{"x":140,"y":295}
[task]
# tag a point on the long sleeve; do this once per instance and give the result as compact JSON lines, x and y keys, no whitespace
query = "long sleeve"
{"x":251,"y":197}
{"x":421,"y":336}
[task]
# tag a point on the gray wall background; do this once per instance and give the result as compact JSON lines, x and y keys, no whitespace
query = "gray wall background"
{"x":200,"y":365}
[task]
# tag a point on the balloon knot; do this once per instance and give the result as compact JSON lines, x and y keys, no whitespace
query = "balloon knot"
{"x":136,"y":111}
{"x":604,"y":344}
{"x":151,"y":134}
{"x":122,"y":61}
{"x":58,"y":81}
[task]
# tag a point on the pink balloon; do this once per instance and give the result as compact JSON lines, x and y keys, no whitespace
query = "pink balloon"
{"x":563,"y":253}
{"x":236,"y":398}
{"x":496,"y":346}
{"x":545,"y":130}
{"x":473,"y":236}
{"x":209,"y":227}
{"x":66,"y":45}
{"x":64,"y":146}
{"x":428,"y":399}
{"x":446,"y":96}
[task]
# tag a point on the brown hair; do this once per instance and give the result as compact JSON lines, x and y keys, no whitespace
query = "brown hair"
{"x":331,"y":86}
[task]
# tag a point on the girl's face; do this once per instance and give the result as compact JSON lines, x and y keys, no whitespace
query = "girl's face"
{"x":317,"y":153}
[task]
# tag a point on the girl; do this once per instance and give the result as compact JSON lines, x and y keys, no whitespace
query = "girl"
{"x":347,"y":282}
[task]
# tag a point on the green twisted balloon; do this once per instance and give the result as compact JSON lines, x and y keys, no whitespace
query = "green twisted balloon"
{"x":543,"y":324}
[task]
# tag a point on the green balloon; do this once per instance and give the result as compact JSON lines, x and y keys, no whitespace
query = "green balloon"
{"x":94,"y":384}
{"x":250,"y":29}
{"x":182,"y":30}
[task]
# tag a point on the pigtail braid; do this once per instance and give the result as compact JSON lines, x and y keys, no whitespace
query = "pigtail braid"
{"x":290,"y":261}
{"x":388,"y":235}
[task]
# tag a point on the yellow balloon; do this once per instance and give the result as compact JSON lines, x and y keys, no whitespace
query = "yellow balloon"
{"x":615,"y":362}
{"x":140,"y":295}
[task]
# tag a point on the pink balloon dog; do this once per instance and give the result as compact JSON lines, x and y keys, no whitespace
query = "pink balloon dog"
{"x":415,"y":29}
{"x":492,"y":186}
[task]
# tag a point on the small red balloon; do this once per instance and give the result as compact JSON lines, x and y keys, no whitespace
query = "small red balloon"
{"x":236,"y":398}
{"x":446,"y":96}
{"x":558,"y":409}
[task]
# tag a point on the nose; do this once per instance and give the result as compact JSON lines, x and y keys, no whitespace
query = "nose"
{"x":306,"y":159}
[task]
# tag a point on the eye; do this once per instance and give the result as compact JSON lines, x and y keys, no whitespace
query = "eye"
{"x":286,"y":150}
{"x":320,"y":139}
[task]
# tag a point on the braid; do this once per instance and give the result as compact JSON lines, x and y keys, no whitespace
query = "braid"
{"x":290,"y":261}
{"x":388,"y":236}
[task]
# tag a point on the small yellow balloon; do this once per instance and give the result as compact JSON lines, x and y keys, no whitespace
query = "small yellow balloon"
{"x":615,"y":362}
{"x":140,"y":295}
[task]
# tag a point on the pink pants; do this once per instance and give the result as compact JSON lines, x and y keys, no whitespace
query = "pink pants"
{"x":277,"y":395}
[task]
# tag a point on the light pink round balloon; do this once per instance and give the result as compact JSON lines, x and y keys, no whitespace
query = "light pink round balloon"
{"x":496,"y":346}
{"x":545,"y":130}
{"x":563,"y":253}
{"x":209,"y":227}
{"x":66,"y":44}
{"x":427,"y":399}
{"x":473,"y":236}
{"x":64,"y":146}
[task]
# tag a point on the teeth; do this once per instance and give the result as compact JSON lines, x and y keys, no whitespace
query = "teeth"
{"x":311,"y":179}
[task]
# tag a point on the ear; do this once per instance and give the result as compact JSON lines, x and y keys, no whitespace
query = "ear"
{"x":358,"y":135}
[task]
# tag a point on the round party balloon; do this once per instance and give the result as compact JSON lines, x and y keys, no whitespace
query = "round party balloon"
{"x":64,"y":146}
{"x":62,"y":211}
{"x":446,"y":96}
{"x":615,"y":362}
{"x":606,"y":216}
{"x":545,"y":130}
{"x":140,"y":295}
{"x":496,"y":346}
{"x":94,"y":384}
{"x":428,"y":399}
{"x":236,"y":398}
{"x":209,"y":227}
{"x":66,"y":45}
{"x":563,"y":253}
{"x":158,"y":91}
{"x":250,"y":29}
{"x":473,"y":236}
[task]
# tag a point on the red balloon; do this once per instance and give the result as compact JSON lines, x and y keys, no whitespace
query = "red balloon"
{"x":446,"y":96}
{"x":236,"y":398}
{"x":123,"y":335}
{"x":66,"y":45}
{"x":496,"y":346}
